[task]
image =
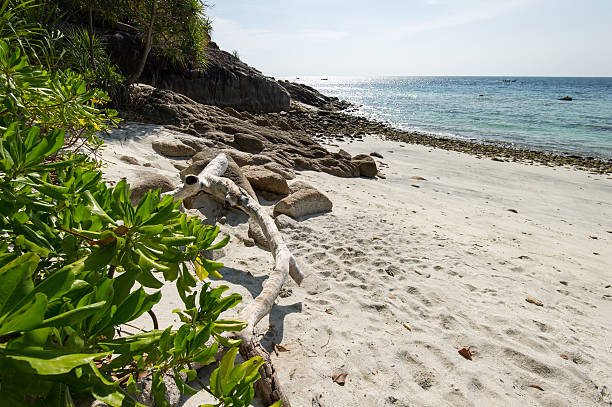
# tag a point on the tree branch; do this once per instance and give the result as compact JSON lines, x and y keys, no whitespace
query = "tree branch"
{"x":285,"y":265}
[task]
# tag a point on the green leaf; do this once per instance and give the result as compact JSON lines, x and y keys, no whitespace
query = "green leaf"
{"x":69,"y":317}
{"x":221,"y":244}
{"x":28,"y":317}
{"x":224,"y":370}
{"x":236,"y":375}
{"x":16,"y":280}
{"x":183,"y":387}
{"x":49,"y":362}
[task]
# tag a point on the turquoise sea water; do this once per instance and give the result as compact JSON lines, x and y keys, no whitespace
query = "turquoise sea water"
{"x":521,"y":111}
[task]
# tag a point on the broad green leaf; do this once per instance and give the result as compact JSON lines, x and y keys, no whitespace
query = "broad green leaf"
{"x":16,"y":280}
{"x":28,"y":317}
{"x":77,"y":314}
{"x":49,"y":362}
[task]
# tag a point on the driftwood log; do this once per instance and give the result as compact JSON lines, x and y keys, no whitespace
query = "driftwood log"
{"x":210,"y":180}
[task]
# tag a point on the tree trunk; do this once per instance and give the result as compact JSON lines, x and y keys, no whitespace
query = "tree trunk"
{"x":91,"y":50}
{"x":211,"y":181}
{"x":148,"y":42}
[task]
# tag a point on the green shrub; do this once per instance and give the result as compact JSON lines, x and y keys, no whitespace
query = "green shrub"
{"x":76,"y":256}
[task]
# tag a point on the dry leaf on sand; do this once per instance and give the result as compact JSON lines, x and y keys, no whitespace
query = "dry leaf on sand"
{"x":535,"y":386}
{"x":465,"y":352}
{"x":407,"y":326}
{"x":281,"y":348}
{"x":564,"y":357}
{"x":339,"y":377}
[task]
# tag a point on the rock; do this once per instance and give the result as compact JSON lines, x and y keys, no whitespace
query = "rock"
{"x":257,"y":234}
{"x":344,"y":154}
{"x":227,"y":81}
{"x":377,"y":155}
{"x":285,"y":222}
{"x":233,"y":171}
{"x":179,"y":165}
{"x":145,"y":395}
{"x":173,"y":148}
{"x":566,"y":98}
{"x":248,"y":143}
{"x":240,"y":157}
{"x":297,"y":185}
{"x":366,"y":164}
{"x":303,"y":202}
{"x":129,"y":160}
{"x":310,"y":96}
{"x":149,"y":182}
{"x":266,"y":180}
{"x":209,"y":207}
{"x":232,"y":112}
{"x":285,"y":172}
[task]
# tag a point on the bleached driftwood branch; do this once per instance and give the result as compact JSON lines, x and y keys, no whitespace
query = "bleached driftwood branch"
{"x":211,"y":181}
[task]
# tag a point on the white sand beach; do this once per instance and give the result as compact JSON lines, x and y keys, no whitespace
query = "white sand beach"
{"x":439,"y":256}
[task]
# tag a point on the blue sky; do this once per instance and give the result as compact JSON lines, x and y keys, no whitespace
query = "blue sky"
{"x":418,"y":37}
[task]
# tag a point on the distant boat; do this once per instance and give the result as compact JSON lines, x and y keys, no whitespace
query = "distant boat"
{"x":566,"y":99}
{"x":323,"y":79}
{"x":508,"y":80}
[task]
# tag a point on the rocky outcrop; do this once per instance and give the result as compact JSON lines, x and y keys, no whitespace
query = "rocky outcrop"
{"x":227,"y":81}
{"x":212,"y":127}
{"x":312,"y":97}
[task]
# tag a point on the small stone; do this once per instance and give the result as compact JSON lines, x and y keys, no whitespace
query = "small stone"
{"x":534,"y":301}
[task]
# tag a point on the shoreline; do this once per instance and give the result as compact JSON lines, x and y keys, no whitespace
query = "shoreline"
{"x":337,"y":125}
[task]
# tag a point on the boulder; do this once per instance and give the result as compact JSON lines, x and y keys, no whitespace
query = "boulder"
{"x":297,"y":185}
{"x":285,"y":222}
{"x":303,"y":202}
{"x":285,"y":172}
{"x":257,"y":234}
{"x":208,"y":206}
{"x":366,"y":164}
{"x":173,"y":148}
{"x":148,"y":182}
{"x":233,"y":171}
{"x":129,"y":160}
{"x":248,"y":143}
{"x":266,"y":180}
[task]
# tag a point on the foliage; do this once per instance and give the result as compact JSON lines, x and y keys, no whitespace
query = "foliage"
{"x":51,"y":100}
{"x":76,"y":257}
{"x":181,"y":29}
{"x":100,"y":73}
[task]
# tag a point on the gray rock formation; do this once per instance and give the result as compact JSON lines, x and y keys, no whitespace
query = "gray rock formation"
{"x":310,"y":96}
{"x":227,"y":81}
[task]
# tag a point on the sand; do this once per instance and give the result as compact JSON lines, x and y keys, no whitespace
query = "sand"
{"x":439,"y":256}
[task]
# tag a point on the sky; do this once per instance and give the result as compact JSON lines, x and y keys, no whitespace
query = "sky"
{"x":285,"y":38}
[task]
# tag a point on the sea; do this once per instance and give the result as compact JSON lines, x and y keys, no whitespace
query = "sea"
{"x":520,"y":112}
